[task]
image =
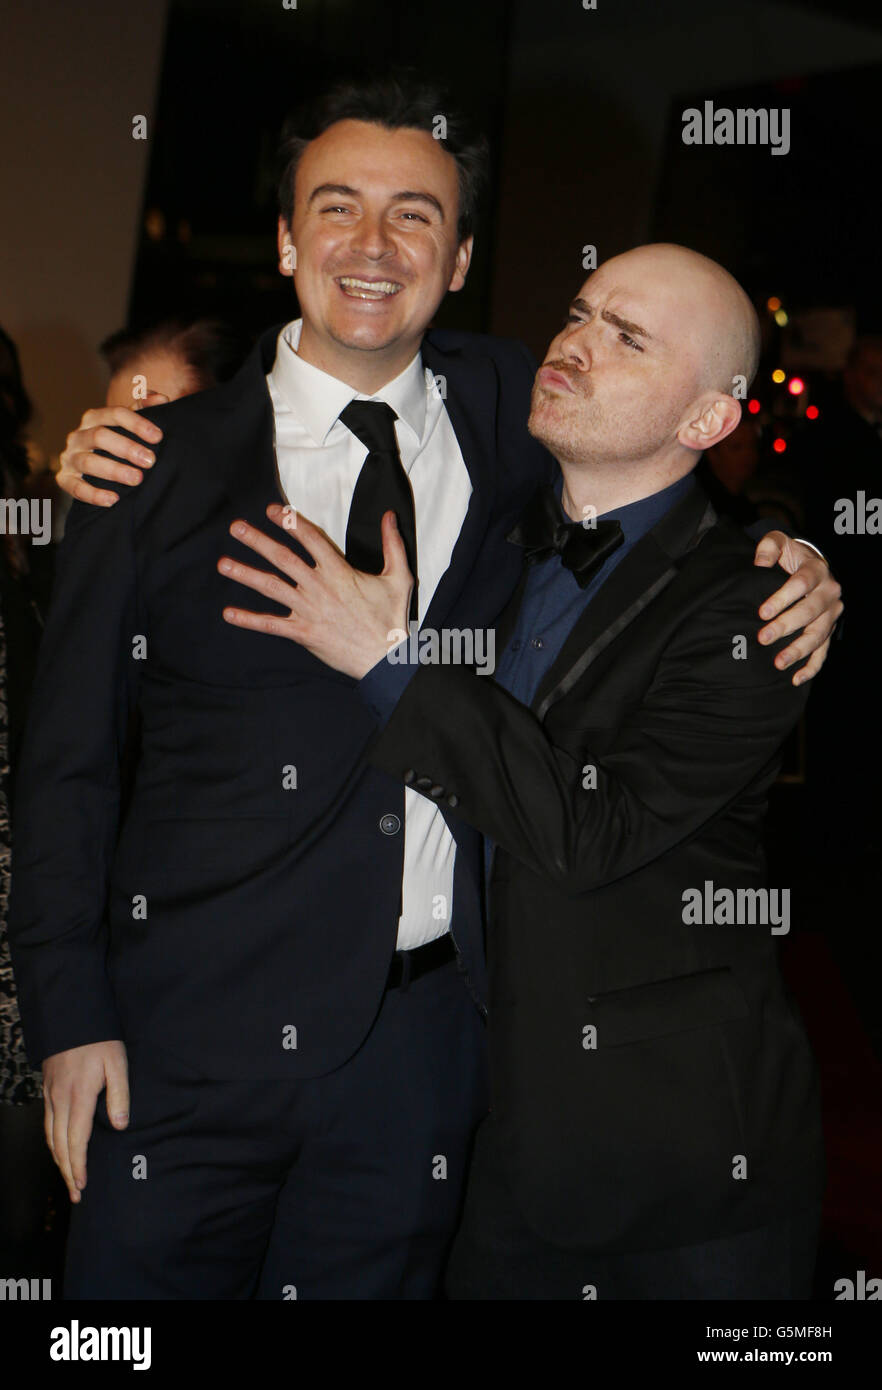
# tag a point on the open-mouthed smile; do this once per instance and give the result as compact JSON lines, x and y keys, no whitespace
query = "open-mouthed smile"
{"x":356,"y":288}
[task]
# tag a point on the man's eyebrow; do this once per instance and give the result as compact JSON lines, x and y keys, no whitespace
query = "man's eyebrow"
{"x":322,"y":188}
{"x":413,"y":196}
{"x":405,"y":196}
{"x":583,"y":307}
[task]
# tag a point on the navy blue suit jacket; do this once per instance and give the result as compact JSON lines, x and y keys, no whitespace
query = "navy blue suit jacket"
{"x":242,"y":924}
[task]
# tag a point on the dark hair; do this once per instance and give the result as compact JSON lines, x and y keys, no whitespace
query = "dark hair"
{"x":15,"y":410}
{"x":397,"y":103}
{"x":210,"y":347}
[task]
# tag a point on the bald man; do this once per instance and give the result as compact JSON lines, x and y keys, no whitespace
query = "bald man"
{"x":654,"y":1130}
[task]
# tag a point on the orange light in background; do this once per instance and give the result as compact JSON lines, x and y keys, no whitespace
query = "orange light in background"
{"x":796,"y":386}
{"x":812,"y":412}
{"x":154,"y":224}
{"x":779,"y":446}
{"x":754,"y":407}
{"x":773,"y":304}
{"x":778,"y":376}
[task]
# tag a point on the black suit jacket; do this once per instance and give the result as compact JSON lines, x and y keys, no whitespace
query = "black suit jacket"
{"x":242,"y":924}
{"x":633,"y":1138}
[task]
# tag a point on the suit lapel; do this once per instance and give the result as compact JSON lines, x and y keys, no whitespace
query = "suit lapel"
{"x":642,"y":575}
{"x":472,"y":388}
{"x":247,"y":398}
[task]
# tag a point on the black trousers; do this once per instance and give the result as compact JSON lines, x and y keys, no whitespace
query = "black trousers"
{"x":346,"y":1186}
{"x":496,"y":1255}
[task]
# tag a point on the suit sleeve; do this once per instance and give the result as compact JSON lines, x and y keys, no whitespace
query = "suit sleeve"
{"x":707,"y":726}
{"x":67,"y":803}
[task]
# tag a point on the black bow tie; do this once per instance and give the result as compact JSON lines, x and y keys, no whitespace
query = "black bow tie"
{"x":544,"y":530}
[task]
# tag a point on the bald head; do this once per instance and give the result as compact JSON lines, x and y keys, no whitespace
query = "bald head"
{"x":645,"y":373}
{"x":723,"y":328}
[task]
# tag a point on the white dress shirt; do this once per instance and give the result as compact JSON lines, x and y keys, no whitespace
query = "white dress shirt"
{"x":318,"y":461}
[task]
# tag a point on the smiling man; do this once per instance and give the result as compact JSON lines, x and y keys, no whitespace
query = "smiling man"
{"x":278,"y":955}
{"x":654,"y":1130}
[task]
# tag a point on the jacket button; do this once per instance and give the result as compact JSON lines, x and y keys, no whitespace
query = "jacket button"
{"x":390,"y":825}
{"x":409,"y":776}
{"x":452,"y":801}
{"x":436,"y":791}
{"x":423,"y":783}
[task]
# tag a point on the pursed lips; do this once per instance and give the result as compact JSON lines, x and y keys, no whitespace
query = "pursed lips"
{"x":548,"y":377}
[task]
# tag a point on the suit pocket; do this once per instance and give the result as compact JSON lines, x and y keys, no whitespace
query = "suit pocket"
{"x":664,"y":1007}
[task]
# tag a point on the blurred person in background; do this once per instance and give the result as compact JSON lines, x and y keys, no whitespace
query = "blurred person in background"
{"x":838,"y":461}
{"x":746,"y":485}
{"x":151,"y":366}
{"x":174,"y":358}
{"x":27,"y":1174}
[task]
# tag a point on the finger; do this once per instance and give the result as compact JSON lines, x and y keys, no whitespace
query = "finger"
{"x":813,"y":665}
{"x":793,"y":589}
{"x":819,"y":604}
{"x":97,"y":466}
{"x":77,"y":487}
{"x":152,"y":398}
{"x":48,"y":1120}
{"x":816,"y":634}
{"x":79,"y":1132}
{"x":109,"y":415}
{"x":395,"y":561}
{"x":267,"y":623}
{"x":270,"y":585}
{"x":61,"y":1145}
{"x":128,"y":450}
{"x":282,"y":556}
{"x":770,"y":549}
{"x":801,"y":649}
{"x":310,"y":536}
{"x":117,"y":1098}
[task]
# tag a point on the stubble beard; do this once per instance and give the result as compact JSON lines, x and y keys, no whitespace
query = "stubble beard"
{"x":565,"y":433}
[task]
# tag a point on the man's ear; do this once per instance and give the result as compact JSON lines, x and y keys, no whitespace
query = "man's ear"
{"x":709,"y":421}
{"x":287,"y":253}
{"x":463,"y":261}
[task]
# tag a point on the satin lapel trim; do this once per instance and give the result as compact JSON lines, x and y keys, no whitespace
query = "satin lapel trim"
{"x":564,"y":683}
{"x":471,"y":402}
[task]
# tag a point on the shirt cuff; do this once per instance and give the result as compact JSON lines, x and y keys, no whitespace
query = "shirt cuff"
{"x":802,"y":541}
{"x":757,"y":529}
{"x":385,"y":683}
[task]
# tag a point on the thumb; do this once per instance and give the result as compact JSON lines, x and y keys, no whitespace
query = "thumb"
{"x":768,"y":552}
{"x":152,"y":398}
{"x":395,"y":563}
{"x":117,"y":1076}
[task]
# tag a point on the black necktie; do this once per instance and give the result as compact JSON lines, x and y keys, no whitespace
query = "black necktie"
{"x":545,"y":529}
{"x":382,"y":486}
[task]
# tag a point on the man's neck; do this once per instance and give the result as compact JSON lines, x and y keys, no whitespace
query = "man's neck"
{"x":606,"y":491}
{"x":366,"y":371}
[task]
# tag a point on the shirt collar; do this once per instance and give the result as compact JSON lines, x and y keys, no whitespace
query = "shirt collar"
{"x":317,"y":398}
{"x":638,"y":518}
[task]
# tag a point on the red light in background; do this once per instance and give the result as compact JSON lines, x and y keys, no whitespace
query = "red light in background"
{"x":796,"y":386}
{"x":779,"y":446}
{"x":754,"y":407}
{"x":812,"y":412}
